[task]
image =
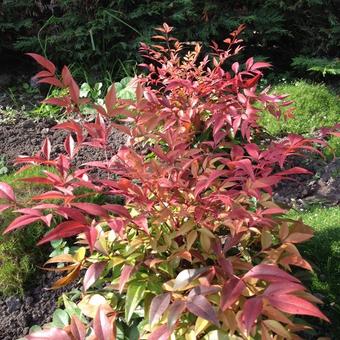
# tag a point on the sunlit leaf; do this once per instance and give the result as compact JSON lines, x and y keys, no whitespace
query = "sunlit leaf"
{"x":134,"y":295}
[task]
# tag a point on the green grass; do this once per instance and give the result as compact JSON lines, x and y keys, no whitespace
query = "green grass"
{"x":316,"y":107}
{"x":18,"y":254}
{"x":323,"y":252}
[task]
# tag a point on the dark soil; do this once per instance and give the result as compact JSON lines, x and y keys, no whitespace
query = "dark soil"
{"x":23,"y":136}
{"x":322,"y":186}
{"x":17,"y":314}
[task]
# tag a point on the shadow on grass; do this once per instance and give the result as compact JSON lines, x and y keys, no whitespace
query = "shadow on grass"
{"x":323,"y":253}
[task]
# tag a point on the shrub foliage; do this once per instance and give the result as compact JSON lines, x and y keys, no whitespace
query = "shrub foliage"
{"x":198,"y":248}
{"x":101,"y":32}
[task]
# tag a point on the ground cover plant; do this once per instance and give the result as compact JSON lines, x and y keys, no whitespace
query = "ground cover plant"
{"x":196,"y":248}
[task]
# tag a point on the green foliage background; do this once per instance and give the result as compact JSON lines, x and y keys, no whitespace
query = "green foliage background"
{"x":106,"y":34}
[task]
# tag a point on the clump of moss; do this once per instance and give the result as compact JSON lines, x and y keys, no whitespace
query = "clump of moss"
{"x":19,"y":255}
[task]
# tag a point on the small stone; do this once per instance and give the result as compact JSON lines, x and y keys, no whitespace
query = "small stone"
{"x":25,"y":331}
{"x":13,"y":304}
{"x":29,"y":300}
{"x":28,"y":124}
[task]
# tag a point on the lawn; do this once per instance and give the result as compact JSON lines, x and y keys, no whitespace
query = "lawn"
{"x":323,"y":252}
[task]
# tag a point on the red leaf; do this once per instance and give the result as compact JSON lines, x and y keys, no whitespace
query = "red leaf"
{"x":73,"y":127}
{"x":142,"y":223}
{"x":117,"y":209}
{"x":48,"y":65}
{"x":294,"y":171}
{"x":125,"y":276}
{"x":296,"y":260}
{"x":200,"y":306}
{"x":103,"y":327}
{"x":6,"y":192}
{"x":40,"y":180}
{"x":92,"y":209}
{"x":74,"y":91}
{"x":62,"y":102}
{"x":3,"y":207}
{"x":20,"y":222}
{"x":51,"y":81}
{"x":265,"y":182}
{"x":93,"y":273}
{"x":51,"y":195}
{"x":64,"y":230}
{"x":72,"y":213}
{"x":159,"y":305}
{"x":175,"y":311}
{"x":231,"y":291}
{"x":283,"y":288}
{"x":78,"y":330}
{"x":110,"y":99}
{"x":253,"y":150}
{"x":252,"y":81}
{"x":91,"y":237}
{"x":251,"y":310}
{"x":43,"y":74}
{"x":260,"y":64}
{"x":271,"y":273}
{"x":69,"y":145}
{"x":295,"y":305}
{"x":48,"y":334}
{"x":29,"y":211}
{"x":235,"y":67}
{"x":46,"y":148}
{"x":117,"y":225}
{"x":160,"y":333}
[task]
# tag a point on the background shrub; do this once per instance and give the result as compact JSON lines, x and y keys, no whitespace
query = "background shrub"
{"x":105,"y":34}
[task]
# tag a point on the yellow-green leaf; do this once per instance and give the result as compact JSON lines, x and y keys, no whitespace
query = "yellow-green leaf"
{"x":134,"y":295}
{"x":277,"y":328}
{"x":200,"y":325}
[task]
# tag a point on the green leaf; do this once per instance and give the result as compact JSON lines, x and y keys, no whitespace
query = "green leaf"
{"x":34,"y":328}
{"x":125,"y":81}
{"x":60,"y":318}
{"x":56,"y":243}
{"x":134,"y":331}
{"x":134,"y":295}
{"x":120,"y":331}
{"x":72,"y":309}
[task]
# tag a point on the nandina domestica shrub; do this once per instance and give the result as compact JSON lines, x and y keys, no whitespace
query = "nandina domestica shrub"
{"x":198,"y":249}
